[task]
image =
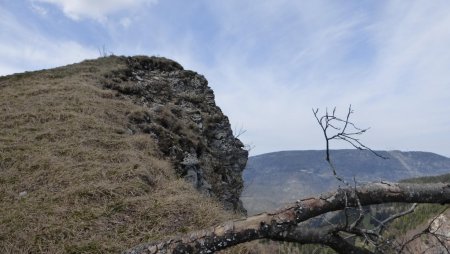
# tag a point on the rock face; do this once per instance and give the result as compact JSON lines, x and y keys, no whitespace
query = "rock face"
{"x":180,"y":113}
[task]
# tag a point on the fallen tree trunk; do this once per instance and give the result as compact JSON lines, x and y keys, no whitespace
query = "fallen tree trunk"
{"x":281,"y":225}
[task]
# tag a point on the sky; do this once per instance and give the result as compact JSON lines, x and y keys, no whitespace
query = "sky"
{"x":269,"y":62}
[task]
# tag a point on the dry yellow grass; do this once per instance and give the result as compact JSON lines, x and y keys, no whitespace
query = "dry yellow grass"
{"x":73,"y":179}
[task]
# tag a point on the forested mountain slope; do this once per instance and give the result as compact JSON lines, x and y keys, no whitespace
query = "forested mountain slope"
{"x":275,"y":178}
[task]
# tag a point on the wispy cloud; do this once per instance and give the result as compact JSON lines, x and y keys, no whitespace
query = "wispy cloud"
{"x":23,"y":48}
{"x":406,"y":91}
{"x":97,"y":10}
{"x":270,"y":62}
{"x":389,"y":62}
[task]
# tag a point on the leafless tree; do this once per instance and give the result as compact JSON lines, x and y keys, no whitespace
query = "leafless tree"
{"x":285,"y":224}
{"x":336,"y":128}
{"x":282,"y":225}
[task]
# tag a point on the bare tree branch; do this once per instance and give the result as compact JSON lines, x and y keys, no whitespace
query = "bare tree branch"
{"x":343,"y":133}
{"x":284,"y":224}
{"x":382,"y":224}
{"x":330,"y":237}
{"x":279,"y":224}
{"x":426,"y":231}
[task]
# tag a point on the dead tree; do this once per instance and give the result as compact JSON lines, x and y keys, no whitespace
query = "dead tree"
{"x":285,"y":224}
{"x":337,"y":128}
{"x":282,"y":225}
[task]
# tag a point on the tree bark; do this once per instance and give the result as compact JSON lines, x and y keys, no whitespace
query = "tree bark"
{"x":281,"y":225}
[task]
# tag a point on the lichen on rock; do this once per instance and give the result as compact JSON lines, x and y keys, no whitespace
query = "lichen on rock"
{"x":191,"y":130}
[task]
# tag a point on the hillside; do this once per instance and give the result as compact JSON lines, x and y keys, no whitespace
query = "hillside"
{"x":102,"y":155}
{"x":280,"y":177}
{"x":397,"y":232}
{"x":406,"y":227}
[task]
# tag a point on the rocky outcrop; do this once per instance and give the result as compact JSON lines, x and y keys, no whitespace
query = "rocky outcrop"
{"x":180,"y":113}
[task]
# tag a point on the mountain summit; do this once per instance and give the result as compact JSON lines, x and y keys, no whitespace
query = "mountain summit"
{"x":105,"y":154}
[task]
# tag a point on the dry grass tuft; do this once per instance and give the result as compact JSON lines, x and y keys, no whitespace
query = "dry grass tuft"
{"x":74,"y":179}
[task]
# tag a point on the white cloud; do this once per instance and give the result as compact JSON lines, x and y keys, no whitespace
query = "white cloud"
{"x":23,"y":49}
{"x":400,"y":88}
{"x":95,"y":9}
{"x":38,"y":9}
{"x":125,"y":22}
{"x":270,"y":63}
{"x":45,"y":53}
{"x":407,"y":90}
{"x":6,"y":69}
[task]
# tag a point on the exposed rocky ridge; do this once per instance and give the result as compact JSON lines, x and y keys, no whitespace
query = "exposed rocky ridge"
{"x":180,"y":113}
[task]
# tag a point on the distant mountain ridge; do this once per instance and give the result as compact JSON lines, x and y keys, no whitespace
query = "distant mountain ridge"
{"x":275,"y":178}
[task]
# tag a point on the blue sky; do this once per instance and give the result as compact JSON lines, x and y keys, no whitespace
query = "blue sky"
{"x":268,"y":62}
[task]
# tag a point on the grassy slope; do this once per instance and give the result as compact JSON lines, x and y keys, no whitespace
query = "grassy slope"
{"x":91,"y":187}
